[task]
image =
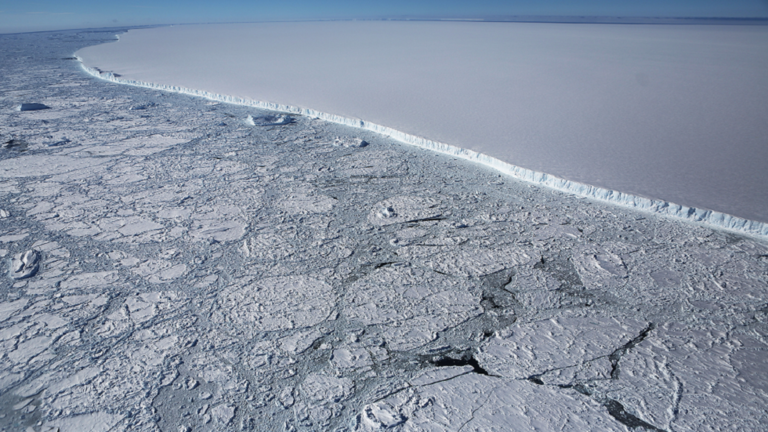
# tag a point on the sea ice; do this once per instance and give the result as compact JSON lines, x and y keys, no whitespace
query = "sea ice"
{"x":277,"y":303}
{"x":411,"y":304}
{"x":198,"y":273}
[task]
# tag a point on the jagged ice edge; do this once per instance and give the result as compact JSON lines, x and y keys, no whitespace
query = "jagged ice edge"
{"x":660,"y":207}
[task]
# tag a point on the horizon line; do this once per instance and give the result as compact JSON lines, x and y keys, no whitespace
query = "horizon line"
{"x":533,"y":19}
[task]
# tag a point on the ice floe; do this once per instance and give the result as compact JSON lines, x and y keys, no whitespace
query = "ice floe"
{"x":277,"y":303}
{"x":411,"y":304}
{"x":25,"y":265}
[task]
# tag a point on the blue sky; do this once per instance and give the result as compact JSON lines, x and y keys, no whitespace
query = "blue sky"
{"x":31,"y":15}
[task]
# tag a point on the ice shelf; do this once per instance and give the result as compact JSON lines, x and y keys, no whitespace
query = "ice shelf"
{"x":660,"y":207}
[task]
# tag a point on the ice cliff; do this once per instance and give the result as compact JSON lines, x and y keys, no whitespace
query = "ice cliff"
{"x":659,"y":207}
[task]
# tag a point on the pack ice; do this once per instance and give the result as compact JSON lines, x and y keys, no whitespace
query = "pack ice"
{"x":171,"y":266}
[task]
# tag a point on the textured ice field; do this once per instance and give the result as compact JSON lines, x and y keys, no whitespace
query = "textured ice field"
{"x":675,"y":113}
{"x":176,"y":264}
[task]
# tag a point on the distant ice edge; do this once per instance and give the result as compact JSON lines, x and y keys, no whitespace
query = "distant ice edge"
{"x":664,"y":208}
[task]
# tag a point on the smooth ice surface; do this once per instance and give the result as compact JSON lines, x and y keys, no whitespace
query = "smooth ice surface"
{"x":675,"y":113}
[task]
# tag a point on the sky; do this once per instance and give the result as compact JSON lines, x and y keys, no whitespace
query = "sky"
{"x":40,"y":15}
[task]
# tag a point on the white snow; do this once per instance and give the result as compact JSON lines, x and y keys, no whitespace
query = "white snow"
{"x":668,"y":112}
{"x":411,"y":305}
{"x":479,"y":403}
{"x":277,"y":303}
{"x":556,"y":343}
{"x":43,"y":165}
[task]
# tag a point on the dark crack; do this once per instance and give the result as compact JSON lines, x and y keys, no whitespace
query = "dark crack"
{"x":474,"y":411}
{"x":615,"y":356}
{"x":581,"y":388}
{"x":15,"y":144}
{"x":678,"y":398}
{"x":494,"y":295}
{"x":616,"y":410}
{"x":427,"y":219}
{"x":464,"y":360}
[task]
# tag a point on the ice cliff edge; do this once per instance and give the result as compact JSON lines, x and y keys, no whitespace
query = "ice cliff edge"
{"x":659,"y":207}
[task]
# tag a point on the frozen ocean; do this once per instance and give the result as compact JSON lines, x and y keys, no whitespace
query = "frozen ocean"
{"x":180,"y":263}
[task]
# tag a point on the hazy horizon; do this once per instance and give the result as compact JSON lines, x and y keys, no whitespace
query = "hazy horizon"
{"x":46,"y":15}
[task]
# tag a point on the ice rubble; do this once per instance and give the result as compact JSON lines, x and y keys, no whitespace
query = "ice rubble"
{"x":664,"y":208}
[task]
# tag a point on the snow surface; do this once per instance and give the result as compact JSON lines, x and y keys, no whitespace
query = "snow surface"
{"x":673,"y":113}
{"x":169,"y":266}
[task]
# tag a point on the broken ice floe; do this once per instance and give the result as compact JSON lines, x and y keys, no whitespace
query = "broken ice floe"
{"x":90,"y":280}
{"x":405,"y":209}
{"x":320,"y":398}
{"x":569,"y":340}
{"x":222,"y":223}
{"x":411,"y":304}
{"x":299,"y":342}
{"x":41,"y":165}
{"x":349,"y":142}
{"x":323,"y":389}
{"x":160,"y":271}
{"x":495,"y":404}
{"x":362,"y":165}
{"x":267,"y":246}
{"x":466,"y":261}
{"x":96,"y":421}
{"x":13,"y":237}
{"x":278,"y":303}
{"x":308,"y":203}
{"x":31,"y":107}
{"x":269,"y":120}
{"x":351,"y":359}
{"x":142,"y":107}
{"x":599,"y":266}
{"x":25,"y":264}
{"x":657,"y":381}
{"x":406,"y":236}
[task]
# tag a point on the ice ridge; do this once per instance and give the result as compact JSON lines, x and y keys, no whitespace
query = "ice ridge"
{"x":659,"y":207}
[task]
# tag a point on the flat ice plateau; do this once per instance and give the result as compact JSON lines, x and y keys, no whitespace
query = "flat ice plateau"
{"x":675,"y":113}
{"x":170,"y":263}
